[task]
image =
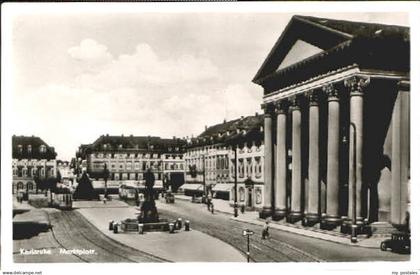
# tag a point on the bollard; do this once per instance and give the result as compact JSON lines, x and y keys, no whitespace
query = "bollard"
{"x":115,"y":228}
{"x":171,"y":227}
{"x":187,"y":225}
{"x":141,"y":228}
{"x":179,"y":223}
{"x":111,"y":225}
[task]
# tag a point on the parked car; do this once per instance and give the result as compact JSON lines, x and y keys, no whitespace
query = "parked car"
{"x":399,"y":242}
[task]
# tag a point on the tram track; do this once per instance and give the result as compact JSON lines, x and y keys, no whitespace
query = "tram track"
{"x":71,"y":230}
{"x":230,"y":232}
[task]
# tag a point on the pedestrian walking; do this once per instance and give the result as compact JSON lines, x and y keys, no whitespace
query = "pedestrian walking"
{"x":212,"y":207}
{"x":209,"y":202}
{"x":265,"y":233}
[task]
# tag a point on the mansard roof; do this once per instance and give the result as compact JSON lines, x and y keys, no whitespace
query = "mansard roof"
{"x":145,"y":143}
{"x":35,"y":152}
{"x":341,"y":43}
{"x":231,"y":132}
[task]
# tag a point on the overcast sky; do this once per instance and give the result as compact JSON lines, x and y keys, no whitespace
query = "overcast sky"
{"x":80,"y":76}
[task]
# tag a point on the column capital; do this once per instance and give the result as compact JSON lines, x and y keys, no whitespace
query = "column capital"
{"x":403,"y":85}
{"x":356,"y":84}
{"x":313,"y":97}
{"x":331,"y":92}
{"x":281,"y":106}
{"x":295,"y":102}
{"x":268,"y":109}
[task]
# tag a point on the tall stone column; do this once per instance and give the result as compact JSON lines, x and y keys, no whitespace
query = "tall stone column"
{"x":281,"y":164}
{"x":356,"y":86}
{"x":296,"y":205}
{"x":400,"y":155}
{"x":268,"y":161}
{"x":333,"y":147}
{"x":312,"y":216}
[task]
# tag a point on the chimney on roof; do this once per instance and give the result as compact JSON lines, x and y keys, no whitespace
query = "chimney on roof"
{"x":242,"y":117}
{"x":173,"y":137}
{"x":256,"y":113}
{"x":224,"y":120}
{"x":205,"y":127}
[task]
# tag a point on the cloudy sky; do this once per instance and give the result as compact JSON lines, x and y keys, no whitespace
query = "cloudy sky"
{"x":78,"y":76}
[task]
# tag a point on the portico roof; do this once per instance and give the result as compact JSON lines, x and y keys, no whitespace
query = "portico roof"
{"x":326,"y":45}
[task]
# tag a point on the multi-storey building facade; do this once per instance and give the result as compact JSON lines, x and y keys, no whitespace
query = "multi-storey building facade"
{"x":31,"y":158}
{"x":212,"y":154}
{"x":128,"y":157}
{"x":66,"y":173}
{"x":337,"y":101}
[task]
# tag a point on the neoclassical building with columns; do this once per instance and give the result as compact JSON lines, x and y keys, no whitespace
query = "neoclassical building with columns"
{"x":337,"y":123}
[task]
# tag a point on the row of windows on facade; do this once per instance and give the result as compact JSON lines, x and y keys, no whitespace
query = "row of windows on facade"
{"x":222,"y":163}
{"x":247,"y":147}
{"x":137,"y":165}
{"x":150,"y":147}
{"x":29,"y":186}
{"x":132,"y":176}
{"x":32,"y":162}
{"x":31,"y":172}
{"x":136,"y":156}
{"x":218,"y":163}
{"x":246,"y":169}
{"x":42,"y":148}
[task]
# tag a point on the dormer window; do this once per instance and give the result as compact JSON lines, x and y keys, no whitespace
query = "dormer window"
{"x":42,"y":148}
{"x":29,"y":148}
{"x":104,"y":146}
{"x":120,"y":146}
{"x":20,"y":148}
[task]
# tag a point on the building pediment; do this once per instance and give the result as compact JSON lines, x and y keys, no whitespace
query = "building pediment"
{"x":298,"y":52}
{"x":311,"y":46}
{"x":301,"y":39}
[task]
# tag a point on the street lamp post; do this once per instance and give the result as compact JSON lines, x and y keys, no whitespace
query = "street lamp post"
{"x":247,"y":233}
{"x":235,"y":203}
{"x":106,"y":175}
{"x":204,"y":178}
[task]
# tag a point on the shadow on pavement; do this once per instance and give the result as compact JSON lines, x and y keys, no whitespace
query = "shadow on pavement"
{"x":27,"y":230}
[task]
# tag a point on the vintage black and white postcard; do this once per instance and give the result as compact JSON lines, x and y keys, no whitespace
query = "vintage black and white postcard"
{"x":209,"y":133}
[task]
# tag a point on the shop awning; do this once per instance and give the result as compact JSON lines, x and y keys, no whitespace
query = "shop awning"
{"x":192,"y":186}
{"x":223,"y":187}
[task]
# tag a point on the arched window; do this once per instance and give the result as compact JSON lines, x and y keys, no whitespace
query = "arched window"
{"x":30,"y":186}
{"x":19,"y":185}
